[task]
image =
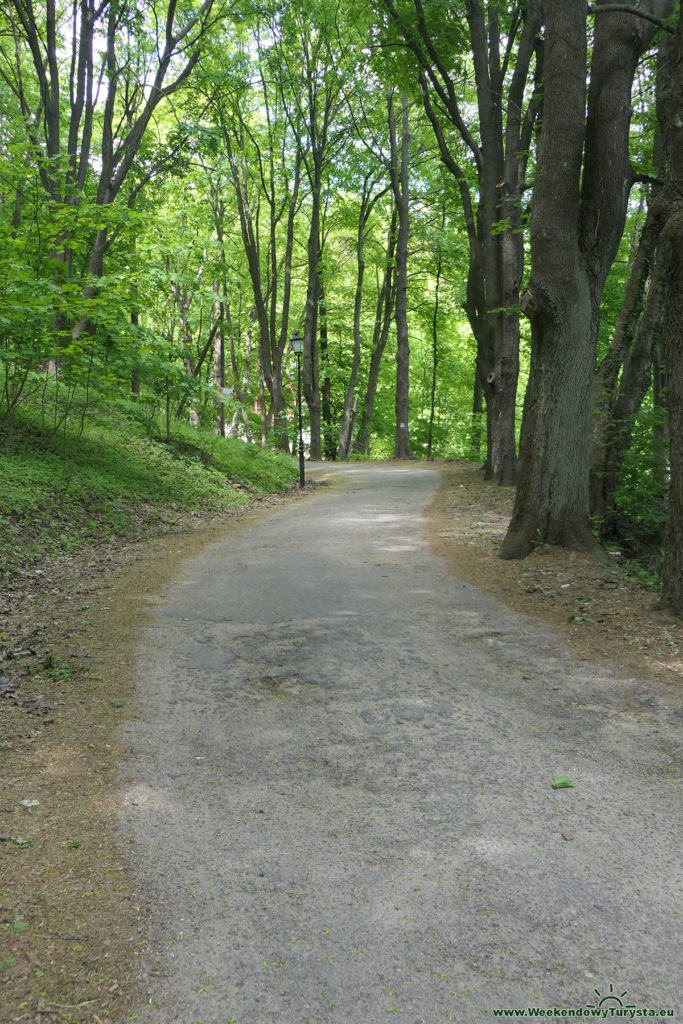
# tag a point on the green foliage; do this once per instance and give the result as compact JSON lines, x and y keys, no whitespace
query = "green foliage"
{"x":640,"y":497}
{"x":121,"y":475}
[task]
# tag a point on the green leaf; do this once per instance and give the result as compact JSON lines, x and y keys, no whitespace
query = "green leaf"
{"x":562,"y":782}
{"x":19,"y":926}
{"x":6,"y":963}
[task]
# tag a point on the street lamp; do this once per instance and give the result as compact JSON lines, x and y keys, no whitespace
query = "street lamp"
{"x":297,"y":343}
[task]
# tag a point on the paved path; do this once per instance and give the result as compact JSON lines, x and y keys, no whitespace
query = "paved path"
{"x":342,"y":806}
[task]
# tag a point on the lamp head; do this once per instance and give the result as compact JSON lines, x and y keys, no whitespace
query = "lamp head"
{"x":297,"y":343}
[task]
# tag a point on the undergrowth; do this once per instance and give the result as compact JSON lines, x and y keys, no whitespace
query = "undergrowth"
{"x":108,"y":471}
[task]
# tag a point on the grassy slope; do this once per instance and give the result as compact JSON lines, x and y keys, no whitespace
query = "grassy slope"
{"x":124,"y":480}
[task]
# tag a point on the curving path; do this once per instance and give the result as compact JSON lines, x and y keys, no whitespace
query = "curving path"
{"x":341,"y":803}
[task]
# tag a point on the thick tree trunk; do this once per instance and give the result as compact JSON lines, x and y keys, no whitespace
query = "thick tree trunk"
{"x":552,"y":492}
{"x":670,"y":254}
{"x":552,"y":497}
{"x":620,"y":40}
{"x":401,"y":188}
{"x":672,"y":246}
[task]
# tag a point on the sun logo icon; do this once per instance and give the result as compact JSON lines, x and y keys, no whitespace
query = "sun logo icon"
{"x":610,"y":999}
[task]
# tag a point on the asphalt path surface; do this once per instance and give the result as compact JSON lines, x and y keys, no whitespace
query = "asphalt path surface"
{"x":341,"y":798}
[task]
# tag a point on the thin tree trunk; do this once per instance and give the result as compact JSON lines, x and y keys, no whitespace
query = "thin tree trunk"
{"x":401,"y":188}
{"x":330,"y":447}
{"x":311,"y":369}
{"x":636,"y":377}
{"x":380,"y":334}
{"x":346,"y":429}
{"x":435,"y":347}
{"x":660,"y":433}
{"x":605,"y":384}
{"x":477,"y":413}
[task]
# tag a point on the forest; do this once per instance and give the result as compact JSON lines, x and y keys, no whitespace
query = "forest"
{"x":471,"y":210}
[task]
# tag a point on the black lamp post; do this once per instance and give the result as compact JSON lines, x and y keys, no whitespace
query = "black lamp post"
{"x":297,"y":344}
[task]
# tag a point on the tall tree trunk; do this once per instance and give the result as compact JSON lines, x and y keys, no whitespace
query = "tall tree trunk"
{"x":401,"y":187}
{"x":350,"y":401}
{"x":329,"y":445}
{"x":219,"y":352}
{"x":435,"y":345}
{"x":135,"y":377}
{"x":311,"y":370}
{"x":552,"y":502}
{"x":620,"y":40}
{"x":498,"y":149}
{"x":671,"y":255}
{"x":380,"y":334}
{"x":241,"y":384}
{"x":552,"y":494}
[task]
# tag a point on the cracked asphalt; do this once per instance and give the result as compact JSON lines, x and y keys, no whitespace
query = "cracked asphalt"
{"x":339,"y":792}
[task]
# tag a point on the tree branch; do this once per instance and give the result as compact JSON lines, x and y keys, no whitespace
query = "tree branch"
{"x":625,"y":9}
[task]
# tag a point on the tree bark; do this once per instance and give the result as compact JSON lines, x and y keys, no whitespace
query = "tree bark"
{"x":552,"y":502}
{"x":552,"y":494}
{"x":606,"y":388}
{"x":435,"y":346}
{"x":385,"y":304}
{"x":311,"y":356}
{"x":272,"y":338}
{"x":350,"y":401}
{"x":636,"y":377}
{"x":400,"y":183}
{"x":477,"y":414}
{"x":671,"y":256}
{"x":620,"y":41}
{"x":329,"y":445}
{"x":492,"y":208}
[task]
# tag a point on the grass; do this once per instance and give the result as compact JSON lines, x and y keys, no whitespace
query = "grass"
{"x":118,"y":473}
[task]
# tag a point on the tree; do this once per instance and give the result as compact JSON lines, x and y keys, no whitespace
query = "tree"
{"x":670,"y":202}
{"x":312,"y":69}
{"x":577,"y":220}
{"x":385,"y":304}
{"x":488,"y":160}
{"x":400,"y":183}
{"x":369,"y":196}
{"x":144,"y":57}
{"x":253,"y":125}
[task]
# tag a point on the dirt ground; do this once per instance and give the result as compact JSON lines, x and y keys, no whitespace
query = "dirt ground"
{"x":607,"y":616}
{"x":69,"y":919}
